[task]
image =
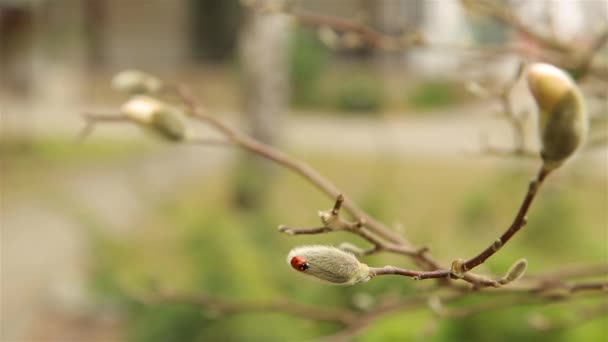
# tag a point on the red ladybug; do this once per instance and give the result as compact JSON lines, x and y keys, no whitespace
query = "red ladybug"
{"x":299,"y":263}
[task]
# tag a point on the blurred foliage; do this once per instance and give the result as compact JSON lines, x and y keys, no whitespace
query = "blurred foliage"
{"x":355,"y":86}
{"x":487,"y":31}
{"x":313,"y":79}
{"x":62,"y":151}
{"x":253,"y":179}
{"x":435,"y":94}
{"x":215,"y":28}
{"x":195,"y":241}
{"x":308,"y":60}
{"x":360,"y":94}
{"x":23,"y":156}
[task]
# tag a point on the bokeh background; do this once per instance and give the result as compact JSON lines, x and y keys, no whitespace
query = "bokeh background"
{"x":88,"y":228}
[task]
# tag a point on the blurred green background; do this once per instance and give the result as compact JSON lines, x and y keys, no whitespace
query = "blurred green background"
{"x":91,"y":228}
{"x":195,"y":238}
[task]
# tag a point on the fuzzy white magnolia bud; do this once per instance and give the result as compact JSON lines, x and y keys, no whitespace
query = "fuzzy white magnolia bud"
{"x":155,"y":115}
{"x":328,"y":263}
{"x":329,"y":37}
{"x":516,"y":271}
{"x":563,"y":119}
{"x":136,"y":82}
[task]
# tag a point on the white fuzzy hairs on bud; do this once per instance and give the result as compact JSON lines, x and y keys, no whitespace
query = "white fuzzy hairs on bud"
{"x":328,"y":263}
{"x":563,"y":119}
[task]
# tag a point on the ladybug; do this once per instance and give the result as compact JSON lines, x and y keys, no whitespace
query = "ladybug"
{"x":299,"y":263}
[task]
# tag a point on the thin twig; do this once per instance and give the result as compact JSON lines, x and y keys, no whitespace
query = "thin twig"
{"x":368,"y":36}
{"x":518,"y":223}
{"x":586,"y":61}
{"x":92,"y":119}
{"x":417,"y":275}
{"x":397,"y":243}
{"x":247,"y":143}
{"x":334,"y":222}
{"x":303,"y":231}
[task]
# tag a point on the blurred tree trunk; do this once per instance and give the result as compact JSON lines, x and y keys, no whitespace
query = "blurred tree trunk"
{"x":95,"y":22}
{"x":16,"y":77}
{"x":263,"y":57}
{"x":395,"y":18}
{"x":16,"y":23}
{"x":215,"y":26}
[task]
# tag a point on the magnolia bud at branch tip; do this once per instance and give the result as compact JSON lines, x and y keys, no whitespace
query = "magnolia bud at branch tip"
{"x":517,"y":270}
{"x":136,"y":82}
{"x":563,"y":122}
{"x":158,"y":117}
{"x":328,"y":263}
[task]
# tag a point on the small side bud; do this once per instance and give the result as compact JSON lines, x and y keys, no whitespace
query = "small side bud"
{"x":330,"y":220}
{"x":457,"y":269}
{"x":329,"y":37}
{"x":563,"y":119}
{"x":329,"y":264}
{"x":158,"y":117}
{"x":325,"y":216}
{"x":436,"y":306}
{"x":515,"y":272}
{"x":477,"y":89}
{"x":135,"y":82}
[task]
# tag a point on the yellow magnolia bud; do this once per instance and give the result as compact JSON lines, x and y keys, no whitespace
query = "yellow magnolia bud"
{"x":563,"y":119}
{"x":328,"y":263}
{"x":329,"y":37}
{"x":136,"y":82}
{"x":155,"y":115}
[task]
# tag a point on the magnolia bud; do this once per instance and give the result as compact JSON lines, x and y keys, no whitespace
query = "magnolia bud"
{"x":155,"y":115}
{"x":136,"y":82}
{"x":329,"y":37}
{"x":563,"y":118}
{"x":328,"y":263}
{"x":516,"y":271}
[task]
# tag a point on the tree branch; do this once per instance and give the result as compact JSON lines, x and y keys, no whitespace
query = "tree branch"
{"x":417,"y":275}
{"x":518,"y":223}
{"x":332,"y":221}
{"x":92,"y":119}
{"x":266,"y":151}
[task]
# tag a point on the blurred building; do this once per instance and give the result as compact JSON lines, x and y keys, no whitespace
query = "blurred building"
{"x":156,"y":34}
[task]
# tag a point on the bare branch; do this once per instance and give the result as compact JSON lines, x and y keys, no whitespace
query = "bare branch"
{"x":366,"y":35}
{"x":92,"y":119}
{"x":303,"y":231}
{"x":332,"y":221}
{"x":518,"y":223}
{"x":249,"y":144}
{"x":417,"y":275}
